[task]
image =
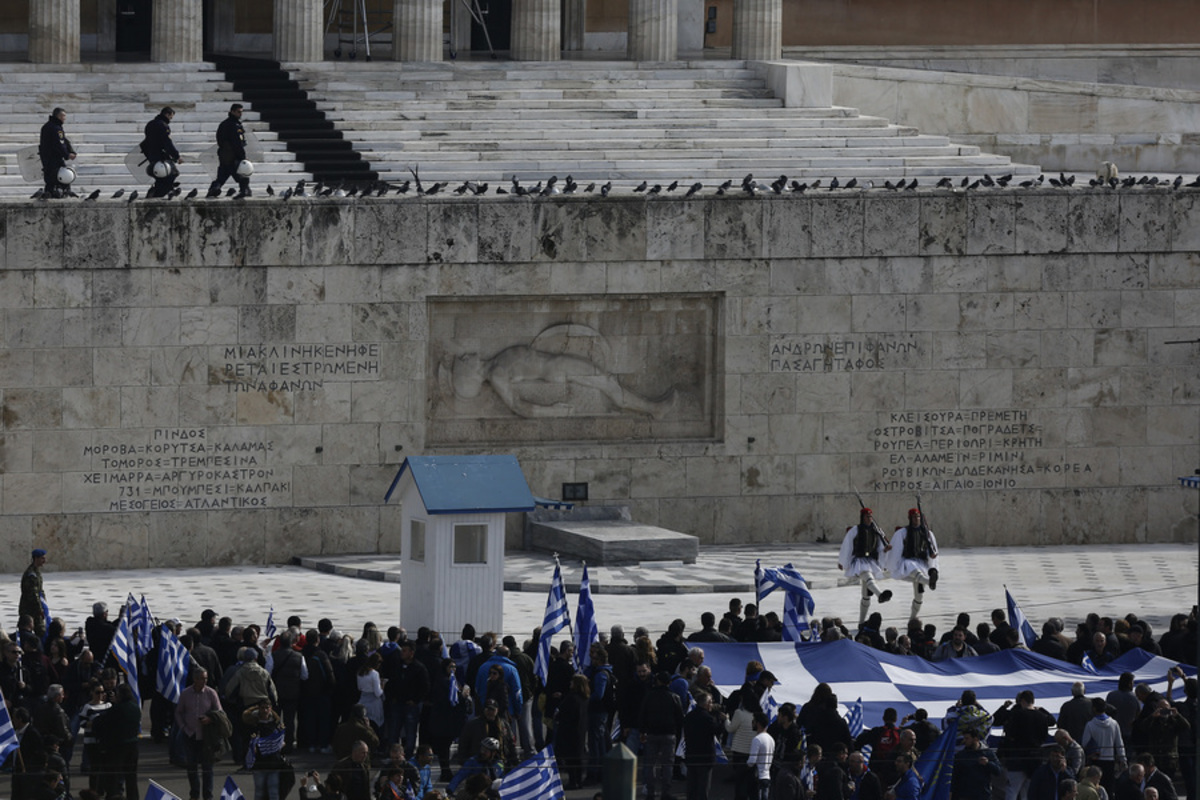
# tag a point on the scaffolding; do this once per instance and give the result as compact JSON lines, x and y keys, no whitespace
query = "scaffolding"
{"x":354,"y":24}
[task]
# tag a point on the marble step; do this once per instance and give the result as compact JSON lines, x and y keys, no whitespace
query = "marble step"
{"x":563,"y":139}
{"x":687,"y":169}
{"x":673,"y":153}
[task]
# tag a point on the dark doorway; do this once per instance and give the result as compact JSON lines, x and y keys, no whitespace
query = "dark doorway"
{"x":133,"y":30}
{"x":497,"y":15}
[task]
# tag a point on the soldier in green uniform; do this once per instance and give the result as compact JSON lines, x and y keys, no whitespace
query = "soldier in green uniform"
{"x":31,"y":592}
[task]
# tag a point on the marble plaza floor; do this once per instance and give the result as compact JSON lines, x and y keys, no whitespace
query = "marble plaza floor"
{"x":1151,"y":580}
{"x":1154,"y":581}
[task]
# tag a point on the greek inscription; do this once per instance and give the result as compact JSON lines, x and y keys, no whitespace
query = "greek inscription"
{"x":820,"y":353}
{"x":180,"y":469}
{"x":296,"y":367}
{"x":955,"y":450}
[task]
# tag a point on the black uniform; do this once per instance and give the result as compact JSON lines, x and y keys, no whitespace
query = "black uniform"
{"x":55,"y":150}
{"x":157,"y":146}
{"x":231,"y":150}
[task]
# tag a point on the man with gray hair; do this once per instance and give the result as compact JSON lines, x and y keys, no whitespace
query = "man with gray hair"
{"x":51,"y":720}
{"x":99,"y":630}
{"x":1075,"y":714}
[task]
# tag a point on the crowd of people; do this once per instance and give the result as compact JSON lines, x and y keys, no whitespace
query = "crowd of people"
{"x":399,"y":716}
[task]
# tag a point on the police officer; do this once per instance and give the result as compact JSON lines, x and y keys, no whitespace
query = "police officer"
{"x":55,"y":151}
{"x":158,"y":148}
{"x":231,"y":151}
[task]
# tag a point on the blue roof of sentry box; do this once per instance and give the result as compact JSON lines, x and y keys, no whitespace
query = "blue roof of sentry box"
{"x":467,"y":484}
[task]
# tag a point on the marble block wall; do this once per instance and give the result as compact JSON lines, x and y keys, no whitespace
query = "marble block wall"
{"x":230,"y":384}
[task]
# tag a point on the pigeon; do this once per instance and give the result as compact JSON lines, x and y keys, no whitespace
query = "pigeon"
{"x":591,"y":187}
{"x":96,"y":194}
{"x":417,"y":178}
{"x":300,"y":187}
{"x":461,"y":190}
{"x":383,"y":189}
{"x":833,"y":184}
{"x":287,"y":194}
{"x":797,"y":186}
{"x":40,"y":194}
{"x":655,"y":189}
{"x":437,"y":187}
{"x":1194,"y":184}
{"x":779,"y":184}
{"x":133,"y":196}
{"x":118,"y":193}
{"x":501,"y":190}
{"x":816,"y":184}
{"x":987,"y":181}
{"x":1175,"y":184}
{"x":1004,"y":180}
{"x":481,"y":189}
{"x":569,"y":185}
{"x":724,"y":187}
{"x":973,"y":185}
{"x":695,"y":187}
{"x":944,"y":183}
{"x":270,"y":190}
{"x":1027,"y":184}
{"x":674,"y":185}
{"x":850,"y":184}
{"x":911,"y":186}
{"x":352,"y":191}
{"x":964,"y":183}
{"x":403,"y":188}
{"x":641,"y":187}
{"x":605,"y":189}
{"x":749,"y":179}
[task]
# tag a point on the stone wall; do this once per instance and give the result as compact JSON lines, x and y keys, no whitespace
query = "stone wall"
{"x":218,"y":383}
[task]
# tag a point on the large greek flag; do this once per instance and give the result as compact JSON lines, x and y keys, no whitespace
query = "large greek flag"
{"x":906,"y":683}
{"x":586,"y":631}
{"x":141,"y":624}
{"x":557,"y":618}
{"x":535,"y":779}
{"x":798,"y":604}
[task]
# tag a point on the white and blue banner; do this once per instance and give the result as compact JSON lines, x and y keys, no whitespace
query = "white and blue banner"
{"x":908,"y":682}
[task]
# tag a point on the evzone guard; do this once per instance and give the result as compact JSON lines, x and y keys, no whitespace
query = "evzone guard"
{"x":914,"y":557}
{"x":861,"y":559}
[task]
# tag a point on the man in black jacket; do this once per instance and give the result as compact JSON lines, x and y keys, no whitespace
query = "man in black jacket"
{"x":158,"y":148}
{"x":231,"y":151}
{"x":701,"y":726}
{"x":1025,"y":729}
{"x":659,"y":723}
{"x":55,"y":150}
{"x":866,"y":782}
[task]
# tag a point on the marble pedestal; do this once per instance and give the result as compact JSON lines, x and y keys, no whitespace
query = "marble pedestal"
{"x":606,"y":535}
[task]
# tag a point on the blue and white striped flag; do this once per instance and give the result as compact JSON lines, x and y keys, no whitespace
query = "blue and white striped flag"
{"x":769,"y":705}
{"x":586,"y":631}
{"x":535,"y":779}
{"x":854,"y":721}
{"x":8,"y":734}
{"x":45,"y":617}
{"x":122,"y":650}
{"x":1087,"y":664}
{"x":798,"y":604}
{"x":557,"y":618}
{"x":141,"y":624}
{"x":1018,"y":621}
{"x":270,"y":631}
{"x":156,"y":792}
{"x":267,"y":745}
{"x":231,"y":790}
{"x":454,"y":689}
{"x":173,"y":663}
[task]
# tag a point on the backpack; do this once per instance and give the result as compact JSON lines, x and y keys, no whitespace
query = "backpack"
{"x":609,"y":700}
{"x":889,"y":738}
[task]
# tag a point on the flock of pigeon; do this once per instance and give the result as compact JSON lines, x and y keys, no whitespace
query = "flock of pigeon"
{"x":1106,"y":179}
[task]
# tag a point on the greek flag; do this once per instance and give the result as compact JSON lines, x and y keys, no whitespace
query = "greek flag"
{"x":45,"y":617}
{"x":586,"y":631}
{"x":270,"y":631}
{"x":453,"y":689}
{"x":1018,"y":621}
{"x":156,"y":792}
{"x":8,"y":735}
{"x":173,"y":663}
{"x":1087,"y":664}
{"x":557,"y":618}
{"x":122,"y":650}
{"x":798,"y":602}
{"x":264,"y":746}
{"x":231,"y":790}
{"x":535,"y":779}
{"x":854,"y":720}
{"x":141,"y":624}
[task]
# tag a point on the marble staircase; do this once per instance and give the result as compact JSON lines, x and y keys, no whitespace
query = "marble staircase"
{"x":107,"y":107}
{"x":703,"y":121}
